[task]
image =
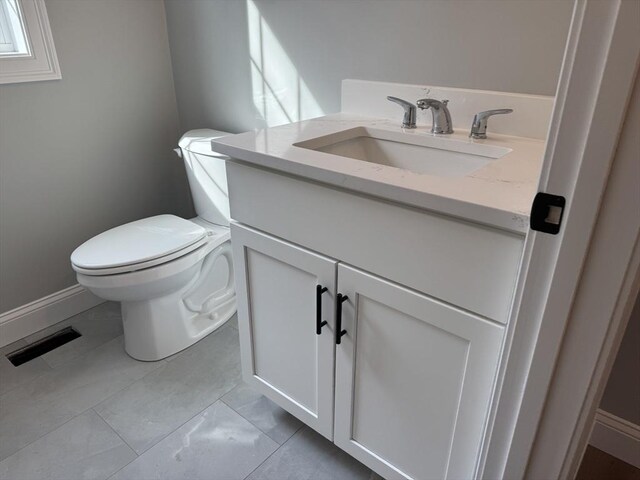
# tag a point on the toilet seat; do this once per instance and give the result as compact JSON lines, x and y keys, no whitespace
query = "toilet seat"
{"x":144,"y":244}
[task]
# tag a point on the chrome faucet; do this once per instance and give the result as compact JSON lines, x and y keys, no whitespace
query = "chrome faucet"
{"x":479,"y":125}
{"x":409,"y":120}
{"x":440,"y":112}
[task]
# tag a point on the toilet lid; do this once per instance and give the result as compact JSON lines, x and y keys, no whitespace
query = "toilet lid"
{"x":137,"y":242}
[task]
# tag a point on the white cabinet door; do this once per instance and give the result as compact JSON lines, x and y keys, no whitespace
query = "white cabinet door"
{"x":413,"y":380}
{"x":283,"y":356}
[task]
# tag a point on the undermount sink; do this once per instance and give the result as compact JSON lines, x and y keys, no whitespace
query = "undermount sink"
{"x":419,"y":153}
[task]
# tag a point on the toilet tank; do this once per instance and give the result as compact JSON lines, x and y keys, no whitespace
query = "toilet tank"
{"x":207,"y":175}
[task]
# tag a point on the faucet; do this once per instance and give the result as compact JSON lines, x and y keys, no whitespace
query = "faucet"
{"x":440,"y":112}
{"x":409,"y":120}
{"x":479,"y":125}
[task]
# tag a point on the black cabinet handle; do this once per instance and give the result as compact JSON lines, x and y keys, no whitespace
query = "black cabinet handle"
{"x":319,"y":322}
{"x":339,"y":331}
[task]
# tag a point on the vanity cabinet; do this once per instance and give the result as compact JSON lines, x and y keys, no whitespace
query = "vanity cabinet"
{"x":413,"y":380}
{"x":413,"y":375}
{"x":418,"y":240}
{"x":283,"y":357}
{"x":407,"y":389}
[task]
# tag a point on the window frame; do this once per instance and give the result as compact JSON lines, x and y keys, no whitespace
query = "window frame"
{"x":41,"y":61}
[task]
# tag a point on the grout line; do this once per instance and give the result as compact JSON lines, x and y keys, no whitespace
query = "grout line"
{"x":248,"y":420}
{"x":47,"y":433}
{"x":274,"y":452}
{"x":160,"y":364}
{"x":166,"y":363}
{"x":139,"y":455}
{"x":75,"y":416}
{"x":124,"y":466}
{"x":62,"y":425}
{"x":219,"y":399}
{"x":79,"y":354}
{"x":199,"y":412}
{"x":179,"y":354}
{"x":117,"y":433}
{"x":59,"y":326}
{"x":123,"y":440}
{"x":47,"y":362}
{"x":21,"y":384}
{"x":86,"y":409}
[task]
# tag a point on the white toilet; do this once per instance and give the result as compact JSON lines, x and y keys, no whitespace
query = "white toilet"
{"x":173,"y":277}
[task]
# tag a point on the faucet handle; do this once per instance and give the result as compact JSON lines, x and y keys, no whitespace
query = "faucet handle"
{"x":409,"y":120}
{"x":479,"y":125}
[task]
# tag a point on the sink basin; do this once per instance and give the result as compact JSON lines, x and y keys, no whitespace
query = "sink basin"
{"x":416,"y":152}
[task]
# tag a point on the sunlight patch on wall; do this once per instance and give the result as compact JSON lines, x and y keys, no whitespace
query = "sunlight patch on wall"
{"x":280,"y":95}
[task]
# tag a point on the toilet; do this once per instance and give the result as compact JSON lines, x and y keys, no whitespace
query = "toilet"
{"x":173,"y":277}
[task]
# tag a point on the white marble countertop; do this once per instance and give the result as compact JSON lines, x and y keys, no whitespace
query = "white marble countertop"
{"x":499,"y":194}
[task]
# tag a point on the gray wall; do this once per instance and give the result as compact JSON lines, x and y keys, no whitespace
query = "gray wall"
{"x":622,"y":395}
{"x":513,"y":46}
{"x":90,"y":151}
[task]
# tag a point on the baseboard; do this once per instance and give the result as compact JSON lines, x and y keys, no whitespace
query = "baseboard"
{"x":617,"y":437}
{"x":32,"y":317}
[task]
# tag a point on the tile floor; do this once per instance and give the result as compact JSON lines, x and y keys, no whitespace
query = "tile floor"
{"x":88,"y":411}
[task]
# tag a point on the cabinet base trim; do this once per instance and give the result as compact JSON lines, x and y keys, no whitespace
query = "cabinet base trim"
{"x":617,"y":437}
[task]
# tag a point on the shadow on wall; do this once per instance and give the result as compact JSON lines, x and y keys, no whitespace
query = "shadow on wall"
{"x":217,"y":63}
{"x":279,"y":93}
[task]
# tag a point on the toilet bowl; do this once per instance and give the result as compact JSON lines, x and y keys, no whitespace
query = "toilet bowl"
{"x":173,"y":277}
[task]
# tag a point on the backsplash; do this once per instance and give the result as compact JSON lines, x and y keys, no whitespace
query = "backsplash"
{"x":530,"y":117}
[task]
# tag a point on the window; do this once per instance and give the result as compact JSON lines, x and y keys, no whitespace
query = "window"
{"x":13,"y":40}
{"x":27,"y":52}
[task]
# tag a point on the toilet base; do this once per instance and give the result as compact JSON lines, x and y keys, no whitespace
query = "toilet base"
{"x":152,"y":333}
{"x":159,"y":327}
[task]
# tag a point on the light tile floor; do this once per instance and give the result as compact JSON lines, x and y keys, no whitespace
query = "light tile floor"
{"x":88,"y":411}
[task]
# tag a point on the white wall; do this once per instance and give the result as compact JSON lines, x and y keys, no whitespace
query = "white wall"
{"x":513,"y":46}
{"x":90,"y":151}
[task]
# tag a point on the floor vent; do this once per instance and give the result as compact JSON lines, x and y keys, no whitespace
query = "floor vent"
{"x":43,"y":346}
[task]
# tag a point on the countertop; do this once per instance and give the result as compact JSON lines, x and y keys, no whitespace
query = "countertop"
{"x":499,"y":194}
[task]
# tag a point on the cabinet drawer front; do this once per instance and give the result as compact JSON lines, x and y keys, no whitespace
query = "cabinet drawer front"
{"x":461,"y":263}
{"x":413,"y":380}
{"x":283,"y":357}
